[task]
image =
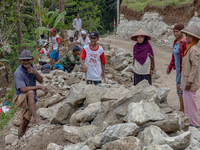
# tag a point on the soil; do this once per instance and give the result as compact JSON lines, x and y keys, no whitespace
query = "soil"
{"x":162,"y":59}
{"x":171,"y":14}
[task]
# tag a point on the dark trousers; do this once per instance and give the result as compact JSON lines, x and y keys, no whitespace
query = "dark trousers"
{"x":139,"y":77}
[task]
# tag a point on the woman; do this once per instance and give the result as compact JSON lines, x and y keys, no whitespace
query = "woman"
{"x":190,"y":74}
{"x":176,"y":61}
{"x":143,"y":60}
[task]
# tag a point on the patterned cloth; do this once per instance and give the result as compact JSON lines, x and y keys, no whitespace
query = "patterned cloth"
{"x":179,"y":90}
{"x":69,"y":61}
{"x":182,"y":49}
{"x":93,"y":82}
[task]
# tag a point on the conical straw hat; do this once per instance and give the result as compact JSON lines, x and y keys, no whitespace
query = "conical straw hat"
{"x":140,"y":33}
{"x":193,"y":30}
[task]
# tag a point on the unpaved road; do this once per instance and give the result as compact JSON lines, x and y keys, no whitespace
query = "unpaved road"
{"x":162,"y":59}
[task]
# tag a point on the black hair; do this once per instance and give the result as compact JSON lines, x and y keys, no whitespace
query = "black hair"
{"x":42,"y":36}
{"x":71,"y":38}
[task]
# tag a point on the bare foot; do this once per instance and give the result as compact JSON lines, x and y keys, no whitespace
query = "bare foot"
{"x":39,"y":122}
{"x":181,"y":110}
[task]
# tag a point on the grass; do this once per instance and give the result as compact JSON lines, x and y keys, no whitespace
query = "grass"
{"x":139,"y":5}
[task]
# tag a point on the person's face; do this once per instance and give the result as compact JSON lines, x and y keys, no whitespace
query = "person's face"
{"x":26,"y":63}
{"x":53,"y":33}
{"x":178,"y":34}
{"x":76,"y":53}
{"x":47,"y":46}
{"x":94,"y":40}
{"x":140,"y":39}
{"x":71,"y":40}
{"x":78,"y":16}
{"x":83,"y":36}
{"x":190,"y":38}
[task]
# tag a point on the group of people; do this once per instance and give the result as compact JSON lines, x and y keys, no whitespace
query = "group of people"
{"x":185,"y":59}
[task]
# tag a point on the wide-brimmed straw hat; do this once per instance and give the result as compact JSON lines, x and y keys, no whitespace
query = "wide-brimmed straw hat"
{"x":140,"y":33}
{"x":192,"y":30}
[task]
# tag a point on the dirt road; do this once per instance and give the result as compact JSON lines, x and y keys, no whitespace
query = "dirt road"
{"x":162,"y":60}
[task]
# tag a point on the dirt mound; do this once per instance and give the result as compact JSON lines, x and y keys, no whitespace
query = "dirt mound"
{"x":171,"y":14}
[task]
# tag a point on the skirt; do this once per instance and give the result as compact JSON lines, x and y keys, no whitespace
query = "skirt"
{"x":139,"y":77}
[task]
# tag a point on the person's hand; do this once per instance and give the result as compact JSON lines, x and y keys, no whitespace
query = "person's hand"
{"x":188,"y":86}
{"x":74,"y":28}
{"x":102,"y":74}
{"x":167,"y":71}
{"x":43,"y":88}
{"x":31,"y":70}
{"x":56,"y":51}
{"x":151,"y":72}
{"x":40,"y":56}
{"x":85,"y":68}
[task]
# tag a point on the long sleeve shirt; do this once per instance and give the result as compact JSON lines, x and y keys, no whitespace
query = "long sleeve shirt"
{"x":77,"y":24}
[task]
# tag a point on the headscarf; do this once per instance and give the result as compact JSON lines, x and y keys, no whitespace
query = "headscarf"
{"x":141,"y":51}
{"x":179,"y":26}
{"x":190,"y":45}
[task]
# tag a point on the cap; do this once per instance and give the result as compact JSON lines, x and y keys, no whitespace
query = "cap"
{"x":94,"y":34}
{"x":83,"y":32}
{"x":25,"y":54}
{"x":46,"y":43}
{"x":76,"y":48}
{"x":71,"y":38}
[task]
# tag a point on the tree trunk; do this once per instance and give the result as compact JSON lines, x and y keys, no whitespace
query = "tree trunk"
{"x":39,"y":21}
{"x":62,"y":34}
{"x":19,"y":34}
{"x":117,"y":12}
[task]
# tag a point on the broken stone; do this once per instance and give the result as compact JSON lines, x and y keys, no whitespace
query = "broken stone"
{"x":78,"y":146}
{"x":142,"y":91}
{"x":94,"y":142}
{"x":76,"y":134}
{"x":158,"y":147}
{"x":52,"y":99}
{"x":143,"y":112}
{"x":125,"y":143}
{"x":184,"y":120}
{"x":40,"y":93}
{"x":53,"y":146}
{"x":117,"y":131}
{"x":10,"y":138}
{"x":88,"y":114}
{"x":162,"y":94}
{"x":47,"y":113}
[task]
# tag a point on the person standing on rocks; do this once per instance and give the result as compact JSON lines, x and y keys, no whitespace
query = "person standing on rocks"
{"x":25,"y":86}
{"x":56,"y":46}
{"x":77,"y":26}
{"x":44,"y":54}
{"x":176,"y":61}
{"x":143,"y":61}
{"x":94,"y":57}
{"x":83,"y":40}
{"x":69,"y":61}
{"x":190,"y":74}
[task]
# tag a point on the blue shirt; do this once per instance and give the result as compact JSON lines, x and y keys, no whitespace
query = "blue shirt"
{"x":23,"y":79}
{"x":175,"y":52}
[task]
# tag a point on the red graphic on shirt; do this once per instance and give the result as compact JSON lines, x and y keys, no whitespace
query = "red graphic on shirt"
{"x":92,"y":60}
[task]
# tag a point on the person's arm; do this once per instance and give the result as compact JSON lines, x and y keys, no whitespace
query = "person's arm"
{"x":34,"y":88}
{"x":83,"y":64}
{"x":103,"y":62}
{"x":39,"y":78}
{"x":171,"y":65}
{"x":58,"y":40}
{"x":152,"y":65}
{"x":74,"y":24}
{"x":194,"y":59}
{"x":103,"y":70}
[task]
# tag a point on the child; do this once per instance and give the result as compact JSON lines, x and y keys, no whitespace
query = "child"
{"x":143,"y":57}
{"x":69,"y":61}
{"x":71,"y":40}
{"x":190,"y":74}
{"x":43,"y":54}
{"x":42,"y":40}
{"x":176,"y":61}
{"x":93,"y":55}
{"x":25,"y":98}
{"x":56,"y":45}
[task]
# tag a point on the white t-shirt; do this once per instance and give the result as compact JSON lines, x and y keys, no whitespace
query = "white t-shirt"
{"x":142,"y":69}
{"x":56,"y":41}
{"x":93,"y":61}
{"x":77,"y":24}
{"x":44,"y":55}
{"x":83,"y":43}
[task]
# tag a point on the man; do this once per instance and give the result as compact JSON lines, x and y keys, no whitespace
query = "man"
{"x":69,"y":61}
{"x":44,"y":54}
{"x":77,"y":26}
{"x":25,"y":87}
{"x":84,"y":40}
{"x":94,"y":57}
{"x":41,"y":41}
{"x":71,"y":40}
{"x":56,"y":46}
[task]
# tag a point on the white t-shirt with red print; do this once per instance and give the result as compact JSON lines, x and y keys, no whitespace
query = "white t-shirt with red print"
{"x":93,"y":60}
{"x":44,"y":53}
{"x":56,"y":41}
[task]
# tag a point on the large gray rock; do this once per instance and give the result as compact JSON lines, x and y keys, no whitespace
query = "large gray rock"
{"x":51,"y":99}
{"x":143,"y":112}
{"x":53,"y":146}
{"x":158,"y":147}
{"x":94,"y":142}
{"x":76,"y":134}
{"x":169,"y":125}
{"x":76,"y":95}
{"x":88,"y":114}
{"x":165,"y":107}
{"x":94,"y":93}
{"x":78,"y":146}
{"x":62,"y":114}
{"x":155,"y":136}
{"x":195,"y":133}
{"x":184,"y":120}
{"x":47,"y":113}
{"x":10,"y":138}
{"x":114,"y":93}
{"x":117,"y":131}
{"x":106,"y":116}
{"x":162,"y":94}
{"x":142,"y":91}
{"x":124,"y":143}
